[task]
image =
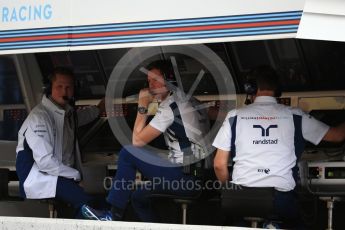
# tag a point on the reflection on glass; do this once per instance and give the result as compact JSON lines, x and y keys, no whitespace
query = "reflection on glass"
{"x":9,"y":85}
{"x":282,"y":55}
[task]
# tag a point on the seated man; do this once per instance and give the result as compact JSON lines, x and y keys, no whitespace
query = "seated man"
{"x":266,"y":140}
{"x":47,"y":144}
{"x":184,"y":127}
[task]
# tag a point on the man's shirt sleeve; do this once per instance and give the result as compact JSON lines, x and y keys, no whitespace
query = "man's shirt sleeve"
{"x":223,"y":138}
{"x":313,"y":130}
{"x":163,"y":118}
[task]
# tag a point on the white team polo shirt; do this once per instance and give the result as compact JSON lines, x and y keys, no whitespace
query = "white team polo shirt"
{"x":265,"y":141}
{"x":182,"y":126}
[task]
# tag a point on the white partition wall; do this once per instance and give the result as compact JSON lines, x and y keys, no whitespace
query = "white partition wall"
{"x":52,"y":25}
{"x":323,"y":20}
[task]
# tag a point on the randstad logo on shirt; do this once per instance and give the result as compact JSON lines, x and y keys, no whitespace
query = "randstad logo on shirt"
{"x":265,"y":142}
{"x":265,"y":132}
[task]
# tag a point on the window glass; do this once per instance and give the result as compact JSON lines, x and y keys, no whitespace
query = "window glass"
{"x":282,"y":55}
{"x":189,"y":69}
{"x":221,"y":49}
{"x":90,"y":77}
{"x":289,"y":65}
{"x":9,"y":85}
{"x":110,"y":58}
{"x":326,"y":63}
{"x":12,"y":110}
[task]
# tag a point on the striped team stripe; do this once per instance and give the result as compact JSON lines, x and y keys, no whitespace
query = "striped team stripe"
{"x":185,"y":29}
{"x":239,"y":18}
{"x":126,"y":26}
{"x":150,"y":31}
{"x":120,"y":41}
{"x":88,"y":30}
{"x":150,"y":36}
{"x":107,"y":41}
{"x":168,"y":30}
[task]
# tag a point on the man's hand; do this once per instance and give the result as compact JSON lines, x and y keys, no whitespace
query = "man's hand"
{"x":145,"y":97}
{"x":335,"y":134}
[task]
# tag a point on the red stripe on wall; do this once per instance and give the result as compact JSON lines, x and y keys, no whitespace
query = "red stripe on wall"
{"x":36,"y":38}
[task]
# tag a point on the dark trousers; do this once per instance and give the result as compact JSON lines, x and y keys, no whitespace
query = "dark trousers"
{"x":163,"y":177}
{"x":287,"y":209}
{"x":67,"y":190}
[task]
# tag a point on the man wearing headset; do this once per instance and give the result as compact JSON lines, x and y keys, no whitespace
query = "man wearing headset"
{"x":183,"y":126}
{"x":266,"y":139}
{"x":47,"y":144}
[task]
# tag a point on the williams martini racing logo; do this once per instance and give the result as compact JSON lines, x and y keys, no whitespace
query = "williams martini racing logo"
{"x":265,"y":132}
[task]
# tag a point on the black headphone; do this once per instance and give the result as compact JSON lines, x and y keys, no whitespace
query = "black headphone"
{"x":250,"y":87}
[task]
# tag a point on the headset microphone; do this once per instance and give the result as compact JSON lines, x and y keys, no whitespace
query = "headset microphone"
{"x":70,"y":100}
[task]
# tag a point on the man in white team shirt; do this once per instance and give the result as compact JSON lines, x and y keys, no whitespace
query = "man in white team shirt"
{"x":265,"y":140}
{"x":183,"y":126}
{"x":47,"y":144}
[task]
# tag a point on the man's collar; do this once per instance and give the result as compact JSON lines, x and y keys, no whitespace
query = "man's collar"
{"x":55,"y":103}
{"x":47,"y":101}
{"x":265,"y":99}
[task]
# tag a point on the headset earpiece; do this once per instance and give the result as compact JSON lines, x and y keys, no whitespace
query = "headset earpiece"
{"x":250,"y":87}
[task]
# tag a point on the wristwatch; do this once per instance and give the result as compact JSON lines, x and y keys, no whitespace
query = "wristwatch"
{"x":142,"y":110}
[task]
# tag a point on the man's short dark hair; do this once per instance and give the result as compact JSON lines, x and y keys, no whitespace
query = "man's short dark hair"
{"x":165,"y":67}
{"x":266,"y":78}
{"x":61,"y":70}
